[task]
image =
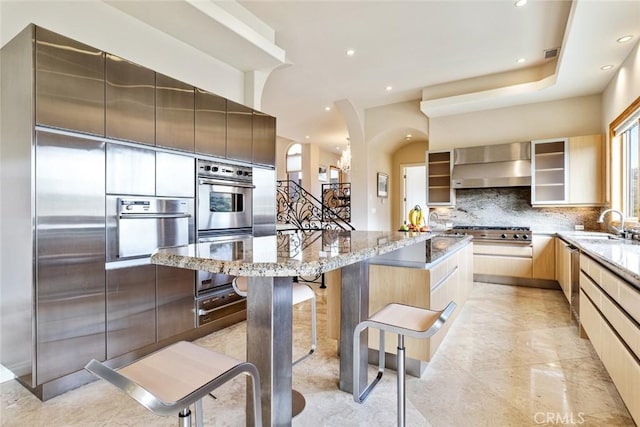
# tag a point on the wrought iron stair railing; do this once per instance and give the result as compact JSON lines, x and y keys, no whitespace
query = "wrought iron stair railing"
{"x":300,"y":210}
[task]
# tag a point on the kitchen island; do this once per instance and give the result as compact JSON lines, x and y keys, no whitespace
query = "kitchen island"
{"x":427,"y":276}
{"x":270,"y":263}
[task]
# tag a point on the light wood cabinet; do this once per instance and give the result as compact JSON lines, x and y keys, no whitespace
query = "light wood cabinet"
{"x":503,"y":259}
{"x":544,"y":257}
{"x":586,"y":170}
{"x":568,"y":171}
{"x":613,"y":331}
{"x":563,"y":267}
{"x":439,"y":167}
{"x":449,"y":279}
{"x":549,"y":165}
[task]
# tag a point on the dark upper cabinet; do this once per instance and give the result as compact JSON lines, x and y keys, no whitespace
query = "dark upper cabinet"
{"x":211,"y":124}
{"x":264,"y":139}
{"x":69,"y":84}
{"x":239,"y":132}
{"x":130,"y":101}
{"x":174,"y":114}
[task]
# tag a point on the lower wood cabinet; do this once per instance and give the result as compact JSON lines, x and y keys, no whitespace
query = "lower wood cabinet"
{"x":613,"y":330}
{"x":503,"y":259}
{"x":450,"y":279}
{"x":563,"y":267}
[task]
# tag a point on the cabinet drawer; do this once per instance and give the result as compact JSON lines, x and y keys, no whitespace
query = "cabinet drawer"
{"x":623,"y":369}
{"x":502,"y":266}
{"x":610,"y":283}
{"x":590,"y":289}
{"x":624,"y":326}
{"x":591,"y":322}
{"x":500,"y":249}
{"x":630,"y":301}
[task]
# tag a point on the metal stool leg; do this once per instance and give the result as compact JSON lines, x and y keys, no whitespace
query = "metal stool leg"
{"x":357,"y":395}
{"x":314,"y":334}
{"x":197,"y":409}
{"x":184,"y":418}
{"x":401,"y":381}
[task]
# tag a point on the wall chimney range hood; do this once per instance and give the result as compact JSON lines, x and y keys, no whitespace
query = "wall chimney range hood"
{"x":502,"y":165}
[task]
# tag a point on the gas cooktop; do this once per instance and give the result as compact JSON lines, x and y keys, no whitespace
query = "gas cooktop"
{"x":493,"y":233}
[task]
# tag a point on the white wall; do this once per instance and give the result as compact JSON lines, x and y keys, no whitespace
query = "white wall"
{"x":385,"y":131}
{"x":99,"y":25}
{"x":622,"y":90}
{"x":566,"y":117}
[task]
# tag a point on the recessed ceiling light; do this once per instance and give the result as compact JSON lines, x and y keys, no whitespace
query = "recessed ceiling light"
{"x":408,"y":136}
{"x":520,"y":3}
{"x":306,"y":137}
{"x":624,"y":39}
{"x":606,"y":67}
{"x":388,"y":88}
{"x":327,"y":108}
{"x":351,"y":52}
{"x":520,"y":60}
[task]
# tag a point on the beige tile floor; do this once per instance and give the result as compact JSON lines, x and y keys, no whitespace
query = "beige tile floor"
{"x":513,"y":358}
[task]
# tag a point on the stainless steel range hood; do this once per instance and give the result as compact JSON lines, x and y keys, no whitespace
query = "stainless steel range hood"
{"x":503,"y":165}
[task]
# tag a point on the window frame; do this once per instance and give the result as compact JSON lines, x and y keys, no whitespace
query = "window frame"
{"x":618,"y":160}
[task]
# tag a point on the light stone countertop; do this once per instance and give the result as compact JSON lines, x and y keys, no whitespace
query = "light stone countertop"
{"x":619,"y":255}
{"x":287,"y":255}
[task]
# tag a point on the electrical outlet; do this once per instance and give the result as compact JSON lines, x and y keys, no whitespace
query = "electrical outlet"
{"x":578,"y":227}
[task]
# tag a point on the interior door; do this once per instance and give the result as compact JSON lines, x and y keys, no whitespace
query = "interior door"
{"x":414,"y":188}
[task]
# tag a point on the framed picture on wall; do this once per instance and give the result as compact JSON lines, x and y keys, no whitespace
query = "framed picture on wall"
{"x":383,"y":184}
{"x":322,"y":173}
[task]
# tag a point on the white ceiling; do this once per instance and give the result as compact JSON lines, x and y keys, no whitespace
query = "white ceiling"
{"x":454,"y":56}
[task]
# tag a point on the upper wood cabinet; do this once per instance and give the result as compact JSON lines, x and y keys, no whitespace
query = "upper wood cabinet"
{"x":439,"y":166}
{"x":69,"y":84}
{"x":549,"y":166}
{"x":567,"y":171}
{"x":586,"y":170}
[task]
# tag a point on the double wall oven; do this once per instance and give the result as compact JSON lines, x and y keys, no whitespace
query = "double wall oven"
{"x":224,"y":215}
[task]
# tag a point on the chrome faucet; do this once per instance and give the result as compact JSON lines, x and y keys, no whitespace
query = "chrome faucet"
{"x":618,"y":230}
{"x":433,"y":216}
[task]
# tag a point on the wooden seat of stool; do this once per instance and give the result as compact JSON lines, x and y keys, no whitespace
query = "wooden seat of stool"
{"x":171,"y":379}
{"x":402,"y":320}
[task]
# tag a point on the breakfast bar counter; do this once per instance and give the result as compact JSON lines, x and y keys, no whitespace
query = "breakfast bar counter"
{"x":270,"y":263}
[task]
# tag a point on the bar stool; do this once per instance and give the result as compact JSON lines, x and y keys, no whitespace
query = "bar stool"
{"x":173,"y":378}
{"x":301,"y":293}
{"x":402,"y":320}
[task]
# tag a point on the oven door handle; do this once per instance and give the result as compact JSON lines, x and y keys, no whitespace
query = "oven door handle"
{"x":227,"y":183}
{"x":125,"y":215}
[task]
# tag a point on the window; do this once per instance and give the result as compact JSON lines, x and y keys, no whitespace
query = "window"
{"x":625,"y":162}
{"x":629,"y":139}
{"x":294,"y":169}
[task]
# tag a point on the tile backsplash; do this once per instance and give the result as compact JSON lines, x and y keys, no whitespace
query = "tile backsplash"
{"x":511,"y":206}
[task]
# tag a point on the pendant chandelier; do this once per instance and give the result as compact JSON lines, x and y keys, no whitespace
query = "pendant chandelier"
{"x":344,"y":162}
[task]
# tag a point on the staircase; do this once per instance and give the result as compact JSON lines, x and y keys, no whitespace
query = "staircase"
{"x":300,"y":210}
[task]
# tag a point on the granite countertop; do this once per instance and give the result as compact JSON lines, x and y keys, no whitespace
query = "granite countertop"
{"x":622,"y":256}
{"x":286,"y":255}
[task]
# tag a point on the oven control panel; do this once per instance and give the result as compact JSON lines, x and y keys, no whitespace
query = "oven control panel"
{"x":210,"y":169}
